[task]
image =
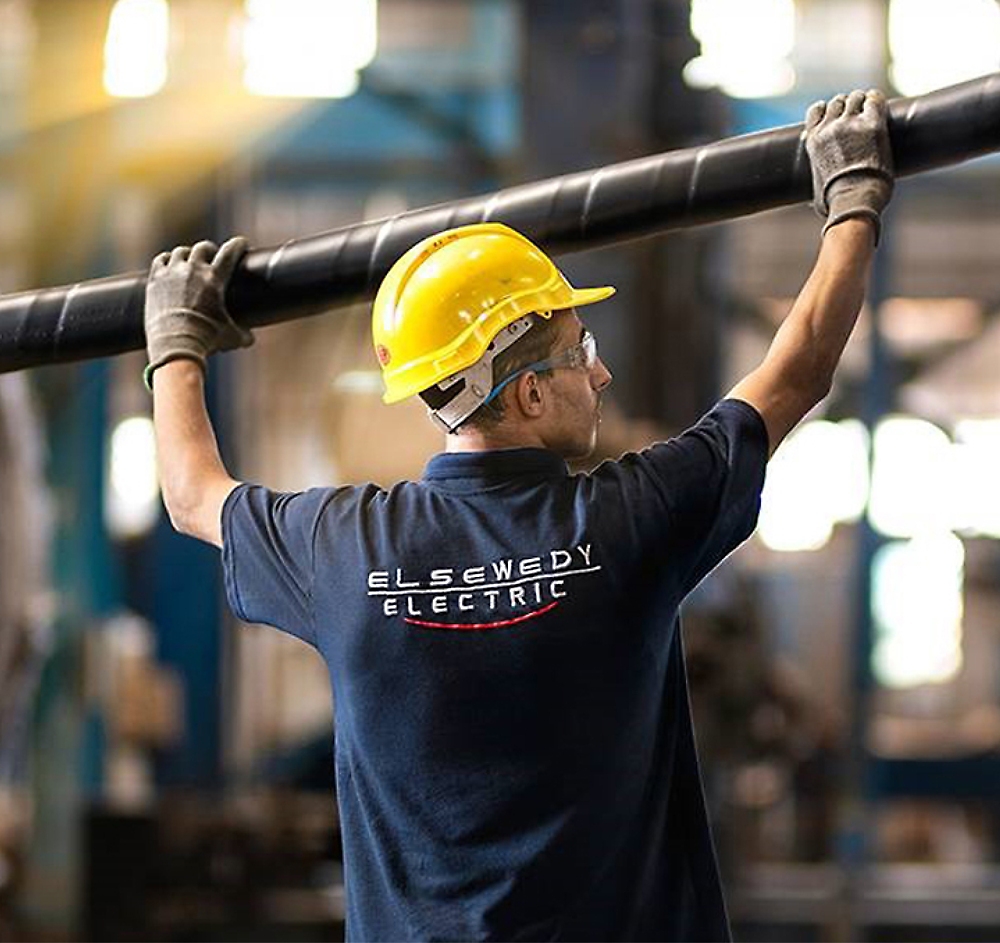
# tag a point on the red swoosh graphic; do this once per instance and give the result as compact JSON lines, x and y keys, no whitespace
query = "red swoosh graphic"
{"x":481,"y":626}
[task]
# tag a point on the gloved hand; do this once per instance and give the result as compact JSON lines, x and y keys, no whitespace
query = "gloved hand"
{"x":186,"y":315}
{"x":847,"y":140}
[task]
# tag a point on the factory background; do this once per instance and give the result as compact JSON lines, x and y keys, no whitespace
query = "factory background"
{"x":165,"y":771}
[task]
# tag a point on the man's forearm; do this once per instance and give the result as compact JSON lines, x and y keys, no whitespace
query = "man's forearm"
{"x":812,"y":338}
{"x":798,"y":369}
{"x":194,"y":480}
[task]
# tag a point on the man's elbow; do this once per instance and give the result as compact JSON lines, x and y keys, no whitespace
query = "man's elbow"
{"x":196,"y":513}
{"x":182,"y":515}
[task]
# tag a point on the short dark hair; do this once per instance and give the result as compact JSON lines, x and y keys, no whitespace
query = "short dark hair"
{"x":537,"y":344}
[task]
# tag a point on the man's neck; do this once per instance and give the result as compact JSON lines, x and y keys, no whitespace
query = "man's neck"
{"x":501,"y":437}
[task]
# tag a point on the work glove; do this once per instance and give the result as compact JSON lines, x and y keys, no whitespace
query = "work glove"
{"x":186,"y":315}
{"x":847,"y":140}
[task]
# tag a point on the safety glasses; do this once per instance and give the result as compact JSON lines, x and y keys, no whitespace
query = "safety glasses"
{"x":582,"y":356}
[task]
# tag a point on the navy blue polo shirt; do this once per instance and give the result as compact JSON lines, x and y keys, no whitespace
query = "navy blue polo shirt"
{"x":514,"y":753}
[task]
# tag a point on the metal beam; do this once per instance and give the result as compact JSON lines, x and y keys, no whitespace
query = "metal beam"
{"x":730,"y":178}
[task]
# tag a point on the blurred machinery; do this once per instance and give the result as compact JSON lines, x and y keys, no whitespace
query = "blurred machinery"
{"x":265,"y":867}
{"x":25,"y":618}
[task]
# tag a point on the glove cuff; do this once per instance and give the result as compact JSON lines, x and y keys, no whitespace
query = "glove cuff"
{"x":850,"y":177}
{"x":154,"y":365}
{"x":862,"y":195}
{"x":856,"y":212}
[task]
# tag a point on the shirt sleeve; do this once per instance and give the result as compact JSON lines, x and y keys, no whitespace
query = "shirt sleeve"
{"x":710,"y":478}
{"x":268,"y":540}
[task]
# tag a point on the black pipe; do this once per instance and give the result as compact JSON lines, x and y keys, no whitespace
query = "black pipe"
{"x":730,"y":178}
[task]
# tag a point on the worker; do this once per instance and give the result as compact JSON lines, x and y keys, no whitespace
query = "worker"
{"x":514,"y":751}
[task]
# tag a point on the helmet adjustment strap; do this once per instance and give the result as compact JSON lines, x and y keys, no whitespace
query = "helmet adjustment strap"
{"x":475,"y":382}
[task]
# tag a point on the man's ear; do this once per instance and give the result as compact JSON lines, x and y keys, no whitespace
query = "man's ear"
{"x":529,"y":394}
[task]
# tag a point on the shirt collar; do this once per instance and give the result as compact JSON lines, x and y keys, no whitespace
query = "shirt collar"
{"x":498,"y":463}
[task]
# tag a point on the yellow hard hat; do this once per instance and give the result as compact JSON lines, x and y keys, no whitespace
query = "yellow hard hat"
{"x":444,"y":301}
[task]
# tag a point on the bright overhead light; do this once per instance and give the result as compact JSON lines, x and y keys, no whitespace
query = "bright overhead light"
{"x":308,"y":48}
{"x":917,"y":609}
{"x":817,"y":479}
{"x":135,"y":49}
{"x":132,"y":495}
{"x":745,"y":47}
{"x":937,"y":44}
{"x":911,"y":478}
{"x":976,"y":458}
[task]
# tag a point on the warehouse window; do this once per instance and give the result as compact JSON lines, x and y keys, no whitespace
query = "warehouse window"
{"x":937,"y":44}
{"x":135,"y":50}
{"x":745,"y":47}
{"x":132,"y":495}
{"x":308,"y":48}
{"x":917,"y":609}
{"x":817,"y":479}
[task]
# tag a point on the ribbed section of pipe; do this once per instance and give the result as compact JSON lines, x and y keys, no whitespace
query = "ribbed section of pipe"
{"x":729,"y":178}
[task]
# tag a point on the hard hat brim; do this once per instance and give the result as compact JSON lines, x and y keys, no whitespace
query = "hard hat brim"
{"x":588,"y":296}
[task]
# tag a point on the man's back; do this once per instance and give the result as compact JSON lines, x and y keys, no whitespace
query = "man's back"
{"x":500,"y":772}
{"x":514,"y":752}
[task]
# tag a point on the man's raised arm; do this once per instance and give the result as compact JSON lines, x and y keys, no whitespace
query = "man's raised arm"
{"x":186,"y":322}
{"x":848,"y":144}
